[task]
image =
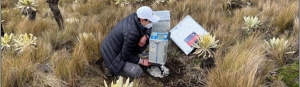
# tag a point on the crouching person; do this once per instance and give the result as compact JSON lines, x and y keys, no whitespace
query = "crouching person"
{"x":126,"y":40}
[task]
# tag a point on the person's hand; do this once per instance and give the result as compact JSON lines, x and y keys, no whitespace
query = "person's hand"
{"x":145,"y":62}
{"x":143,"y":40}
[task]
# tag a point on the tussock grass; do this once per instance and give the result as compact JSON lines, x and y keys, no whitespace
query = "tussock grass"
{"x":222,"y":32}
{"x":296,"y":26}
{"x":35,"y":27}
{"x":63,"y":39}
{"x":294,"y":37}
{"x":20,"y":69}
{"x":8,"y":3}
{"x":228,"y":33}
{"x":79,"y":61}
{"x":240,"y":58}
{"x":42,"y":79}
{"x":7,"y":65}
{"x":43,"y":51}
{"x":6,"y":15}
{"x":76,"y":65}
{"x":60,"y":60}
{"x":50,"y":37}
{"x":90,"y":47}
{"x":240,"y":66}
{"x":61,"y":2}
{"x":179,"y":14}
{"x":286,"y":15}
{"x":268,"y":10}
{"x":278,"y":83}
{"x":93,"y":7}
{"x":84,"y":55}
{"x":42,"y":4}
{"x":92,"y":82}
{"x":10,"y":21}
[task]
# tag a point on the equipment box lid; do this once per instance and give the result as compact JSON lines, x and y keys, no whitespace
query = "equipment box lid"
{"x":184,"y":34}
{"x":163,"y":25}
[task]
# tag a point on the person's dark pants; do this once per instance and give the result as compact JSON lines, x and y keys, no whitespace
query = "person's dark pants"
{"x":131,"y":70}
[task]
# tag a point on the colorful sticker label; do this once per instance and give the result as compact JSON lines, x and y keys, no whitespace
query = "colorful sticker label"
{"x":191,"y":39}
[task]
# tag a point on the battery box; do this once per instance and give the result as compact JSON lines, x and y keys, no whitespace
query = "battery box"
{"x":158,"y":47}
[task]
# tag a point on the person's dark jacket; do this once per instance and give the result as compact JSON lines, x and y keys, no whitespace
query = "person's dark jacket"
{"x":121,"y":44}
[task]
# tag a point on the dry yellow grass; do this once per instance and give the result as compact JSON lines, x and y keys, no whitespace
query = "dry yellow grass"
{"x":34,"y":27}
{"x":240,"y":66}
{"x":239,"y":56}
{"x":44,"y":51}
{"x":60,"y":60}
{"x":92,"y":7}
{"x":279,"y":83}
{"x":42,"y":79}
{"x":20,"y":69}
{"x":8,"y":3}
{"x":286,"y":15}
{"x":296,"y":26}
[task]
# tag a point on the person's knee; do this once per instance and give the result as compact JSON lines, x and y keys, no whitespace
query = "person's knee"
{"x":132,"y":70}
{"x":139,"y":72}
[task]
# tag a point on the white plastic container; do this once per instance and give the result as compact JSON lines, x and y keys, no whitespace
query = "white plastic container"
{"x":158,"y":47}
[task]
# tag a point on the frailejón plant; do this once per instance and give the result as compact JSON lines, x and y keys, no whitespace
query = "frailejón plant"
{"x":25,"y":41}
{"x":204,"y":45}
{"x":122,"y":3}
{"x":251,"y":23}
{"x":279,"y":45}
{"x":6,"y":40}
{"x":27,"y":5}
{"x":84,"y":36}
{"x":277,"y":48}
{"x":72,"y":20}
{"x":119,"y":83}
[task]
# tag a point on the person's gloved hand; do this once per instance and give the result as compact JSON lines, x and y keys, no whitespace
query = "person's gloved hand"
{"x":143,"y":41}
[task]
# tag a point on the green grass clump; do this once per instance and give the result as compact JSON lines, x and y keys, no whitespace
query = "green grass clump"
{"x":290,"y":74}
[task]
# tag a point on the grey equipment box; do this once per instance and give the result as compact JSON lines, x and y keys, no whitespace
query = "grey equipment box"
{"x":159,"y":38}
{"x":163,"y":25}
{"x":158,"y":47}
